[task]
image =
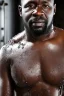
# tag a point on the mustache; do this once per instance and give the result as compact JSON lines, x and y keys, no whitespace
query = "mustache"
{"x":38,"y":19}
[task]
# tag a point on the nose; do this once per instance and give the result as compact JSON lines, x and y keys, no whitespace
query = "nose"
{"x":38,"y":11}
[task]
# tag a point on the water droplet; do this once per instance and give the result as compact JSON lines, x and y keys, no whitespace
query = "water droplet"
{"x":22,"y":47}
{"x":22,"y":44}
{"x":18,"y":46}
{"x":7,"y":46}
{"x":26,"y":82}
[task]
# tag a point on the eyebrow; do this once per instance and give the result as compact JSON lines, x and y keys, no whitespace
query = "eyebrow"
{"x":30,"y":2}
{"x":33,"y":1}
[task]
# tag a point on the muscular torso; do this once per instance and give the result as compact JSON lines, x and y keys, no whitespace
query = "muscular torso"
{"x":37,"y":69}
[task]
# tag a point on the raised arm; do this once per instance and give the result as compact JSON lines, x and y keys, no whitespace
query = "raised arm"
{"x":6,"y":86}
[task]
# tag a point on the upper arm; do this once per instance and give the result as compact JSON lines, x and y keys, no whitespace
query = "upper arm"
{"x":6,"y":88}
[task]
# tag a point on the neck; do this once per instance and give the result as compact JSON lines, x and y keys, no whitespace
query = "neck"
{"x":44,"y":37}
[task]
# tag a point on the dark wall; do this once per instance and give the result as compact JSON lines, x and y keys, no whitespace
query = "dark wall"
{"x":58,"y":18}
{"x":17,"y":19}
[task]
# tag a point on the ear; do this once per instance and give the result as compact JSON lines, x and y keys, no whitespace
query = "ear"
{"x":54,"y":9}
{"x":20,"y":10}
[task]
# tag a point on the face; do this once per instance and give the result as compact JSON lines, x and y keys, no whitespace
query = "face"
{"x":38,"y":15}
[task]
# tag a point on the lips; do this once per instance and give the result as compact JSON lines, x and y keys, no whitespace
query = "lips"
{"x":38,"y":24}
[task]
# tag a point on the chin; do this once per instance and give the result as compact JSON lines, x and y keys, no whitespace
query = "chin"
{"x":39,"y":31}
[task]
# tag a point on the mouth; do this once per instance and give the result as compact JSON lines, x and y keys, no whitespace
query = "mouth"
{"x":38,"y":24}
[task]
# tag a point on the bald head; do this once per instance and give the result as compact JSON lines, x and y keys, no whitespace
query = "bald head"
{"x":37,"y":0}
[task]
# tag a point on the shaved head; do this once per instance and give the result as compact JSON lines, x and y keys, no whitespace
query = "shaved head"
{"x":37,"y":0}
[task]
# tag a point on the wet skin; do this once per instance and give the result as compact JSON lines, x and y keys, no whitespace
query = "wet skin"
{"x":34,"y":68}
{"x":32,"y":63}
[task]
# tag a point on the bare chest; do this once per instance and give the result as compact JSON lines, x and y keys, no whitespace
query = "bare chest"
{"x":32,"y":66}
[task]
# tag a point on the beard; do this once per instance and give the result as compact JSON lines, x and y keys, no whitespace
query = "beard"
{"x":33,"y":28}
{"x":40,"y":30}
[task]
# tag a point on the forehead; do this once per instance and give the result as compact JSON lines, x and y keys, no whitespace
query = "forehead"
{"x":26,"y":1}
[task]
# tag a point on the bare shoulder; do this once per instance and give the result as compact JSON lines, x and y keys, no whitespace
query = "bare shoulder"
{"x":60,"y":31}
{"x":3,"y":56}
{"x":20,"y":36}
{"x":59,"y":36}
{"x":13,"y":47}
{"x":6,"y":52}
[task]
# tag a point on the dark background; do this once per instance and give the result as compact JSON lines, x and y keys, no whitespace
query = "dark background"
{"x":59,"y":16}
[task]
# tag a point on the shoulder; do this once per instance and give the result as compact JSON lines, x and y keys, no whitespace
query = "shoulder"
{"x":12,"y":45}
{"x":19,"y":37}
{"x":59,"y":38}
{"x":59,"y":30}
{"x":6,"y":53}
{"x":3,"y":56}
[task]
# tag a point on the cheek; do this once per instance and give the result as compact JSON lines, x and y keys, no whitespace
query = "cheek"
{"x":50,"y":12}
{"x":50,"y":15}
{"x":50,"y":18}
{"x":26,"y":15}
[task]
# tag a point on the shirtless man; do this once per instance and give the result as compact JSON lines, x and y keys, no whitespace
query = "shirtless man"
{"x":33,"y":64}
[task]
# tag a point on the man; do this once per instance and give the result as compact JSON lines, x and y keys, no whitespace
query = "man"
{"x":33,"y":63}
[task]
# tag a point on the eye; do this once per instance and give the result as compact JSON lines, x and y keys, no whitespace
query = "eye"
{"x":31,"y":6}
{"x":45,"y":6}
